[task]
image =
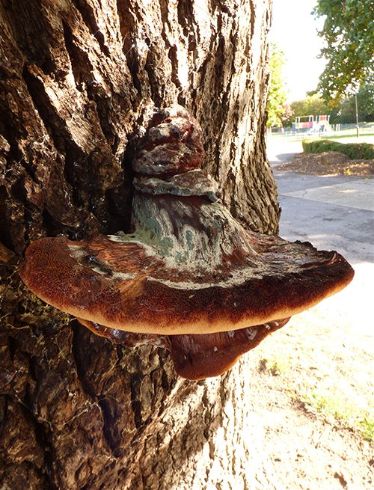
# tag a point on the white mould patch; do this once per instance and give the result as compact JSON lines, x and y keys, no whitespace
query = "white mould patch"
{"x":227,"y":283}
{"x":148,"y":250}
{"x":119,"y":238}
{"x":161,"y":131}
{"x":123,"y":276}
{"x":251,"y":333}
{"x":76,"y":252}
{"x":99,"y":271}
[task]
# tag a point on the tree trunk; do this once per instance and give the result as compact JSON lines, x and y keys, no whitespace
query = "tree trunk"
{"x":77,"y":78}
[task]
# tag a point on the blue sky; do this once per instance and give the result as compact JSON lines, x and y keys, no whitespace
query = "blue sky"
{"x":294,"y":30}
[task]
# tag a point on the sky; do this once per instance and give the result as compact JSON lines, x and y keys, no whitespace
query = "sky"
{"x":294,"y":30}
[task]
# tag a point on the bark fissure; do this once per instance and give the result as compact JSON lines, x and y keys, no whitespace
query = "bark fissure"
{"x":43,"y":438}
{"x":136,"y":401}
{"x":112,"y":442}
{"x":54,"y":125}
{"x":40,"y":455}
{"x":79,"y":366}
{"x":28,"y":459}
{"x":80,"y":62}
{"x":88,"y":15}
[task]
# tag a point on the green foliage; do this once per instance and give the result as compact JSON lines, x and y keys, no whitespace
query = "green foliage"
{"x":349,"y":36}
{"x":367,"y":428}
{"x":343,"y":113}
{"x":276,"y":103}
{"x":274,"y":366}
{"x":335,"y":405}
{"x":346,"y":112}
{"x":356,"y":151}
{"x":312,"y":104}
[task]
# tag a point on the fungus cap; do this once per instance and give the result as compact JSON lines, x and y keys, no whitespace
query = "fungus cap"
{"x":189,"y":270}
{"x":127,"y":285}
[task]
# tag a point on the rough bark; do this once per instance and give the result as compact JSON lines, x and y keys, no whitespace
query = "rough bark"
{"x":77,"y":78}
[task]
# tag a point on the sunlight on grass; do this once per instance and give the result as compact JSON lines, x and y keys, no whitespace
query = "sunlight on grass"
{"x":367,"y":429}
{"x":334,"y":405}
{"x":276,"y":366}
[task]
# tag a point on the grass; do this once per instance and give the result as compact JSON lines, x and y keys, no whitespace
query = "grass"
{"x":334,"y":405}
{"x":350,"y":135}
{"x":274,"y":366}
{"x":367,"y":429}
{"x":330,"y":399}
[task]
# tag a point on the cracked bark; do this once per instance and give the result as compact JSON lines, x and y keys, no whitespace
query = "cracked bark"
{"x":77,"y":78}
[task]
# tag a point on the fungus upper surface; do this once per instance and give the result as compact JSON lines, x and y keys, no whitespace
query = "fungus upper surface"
{"x":189,"y":267}
{"x":126,"y":285}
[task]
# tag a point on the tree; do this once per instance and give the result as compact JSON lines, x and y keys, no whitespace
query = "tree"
{"x":312,"y":104}
{"x":276,"y":104}
{"x":345,"y":113}
{"x":349,"y":49}
{"x":77,"y":78}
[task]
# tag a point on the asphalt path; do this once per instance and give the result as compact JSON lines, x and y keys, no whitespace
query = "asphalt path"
{"x":329,"y":347}
{"x":333,"y":213}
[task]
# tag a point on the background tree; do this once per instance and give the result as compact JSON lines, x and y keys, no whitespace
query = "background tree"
{"x":312,"y":104}
{"x":345,"y":113}
{"x":276,"y":103}
{"x":77,"y":79}
{"x":349,"y":49}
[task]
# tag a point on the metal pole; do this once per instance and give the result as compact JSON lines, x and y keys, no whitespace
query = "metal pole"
{"x":356,"y":114}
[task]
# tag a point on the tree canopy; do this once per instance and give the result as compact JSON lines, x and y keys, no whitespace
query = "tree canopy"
{"x":349,"y":49}
{"x":345,"y":113}
{"x":312,"y":104}
{"x":276,"y":103}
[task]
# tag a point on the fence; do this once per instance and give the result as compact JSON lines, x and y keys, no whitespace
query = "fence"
{"x":333,"y":130}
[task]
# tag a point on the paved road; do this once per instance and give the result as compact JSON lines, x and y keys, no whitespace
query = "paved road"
{"x":328,"y":347}
{"x":333,"y":213}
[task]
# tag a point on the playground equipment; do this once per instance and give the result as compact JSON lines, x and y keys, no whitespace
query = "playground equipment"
{"x":312,"y":123}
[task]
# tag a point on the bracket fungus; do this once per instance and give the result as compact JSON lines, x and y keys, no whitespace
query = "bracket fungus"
{"x":190,"y":278}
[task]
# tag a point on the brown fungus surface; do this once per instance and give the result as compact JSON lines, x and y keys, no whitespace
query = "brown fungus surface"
{"x":195,"y":356}
{"x":190,"y":271}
